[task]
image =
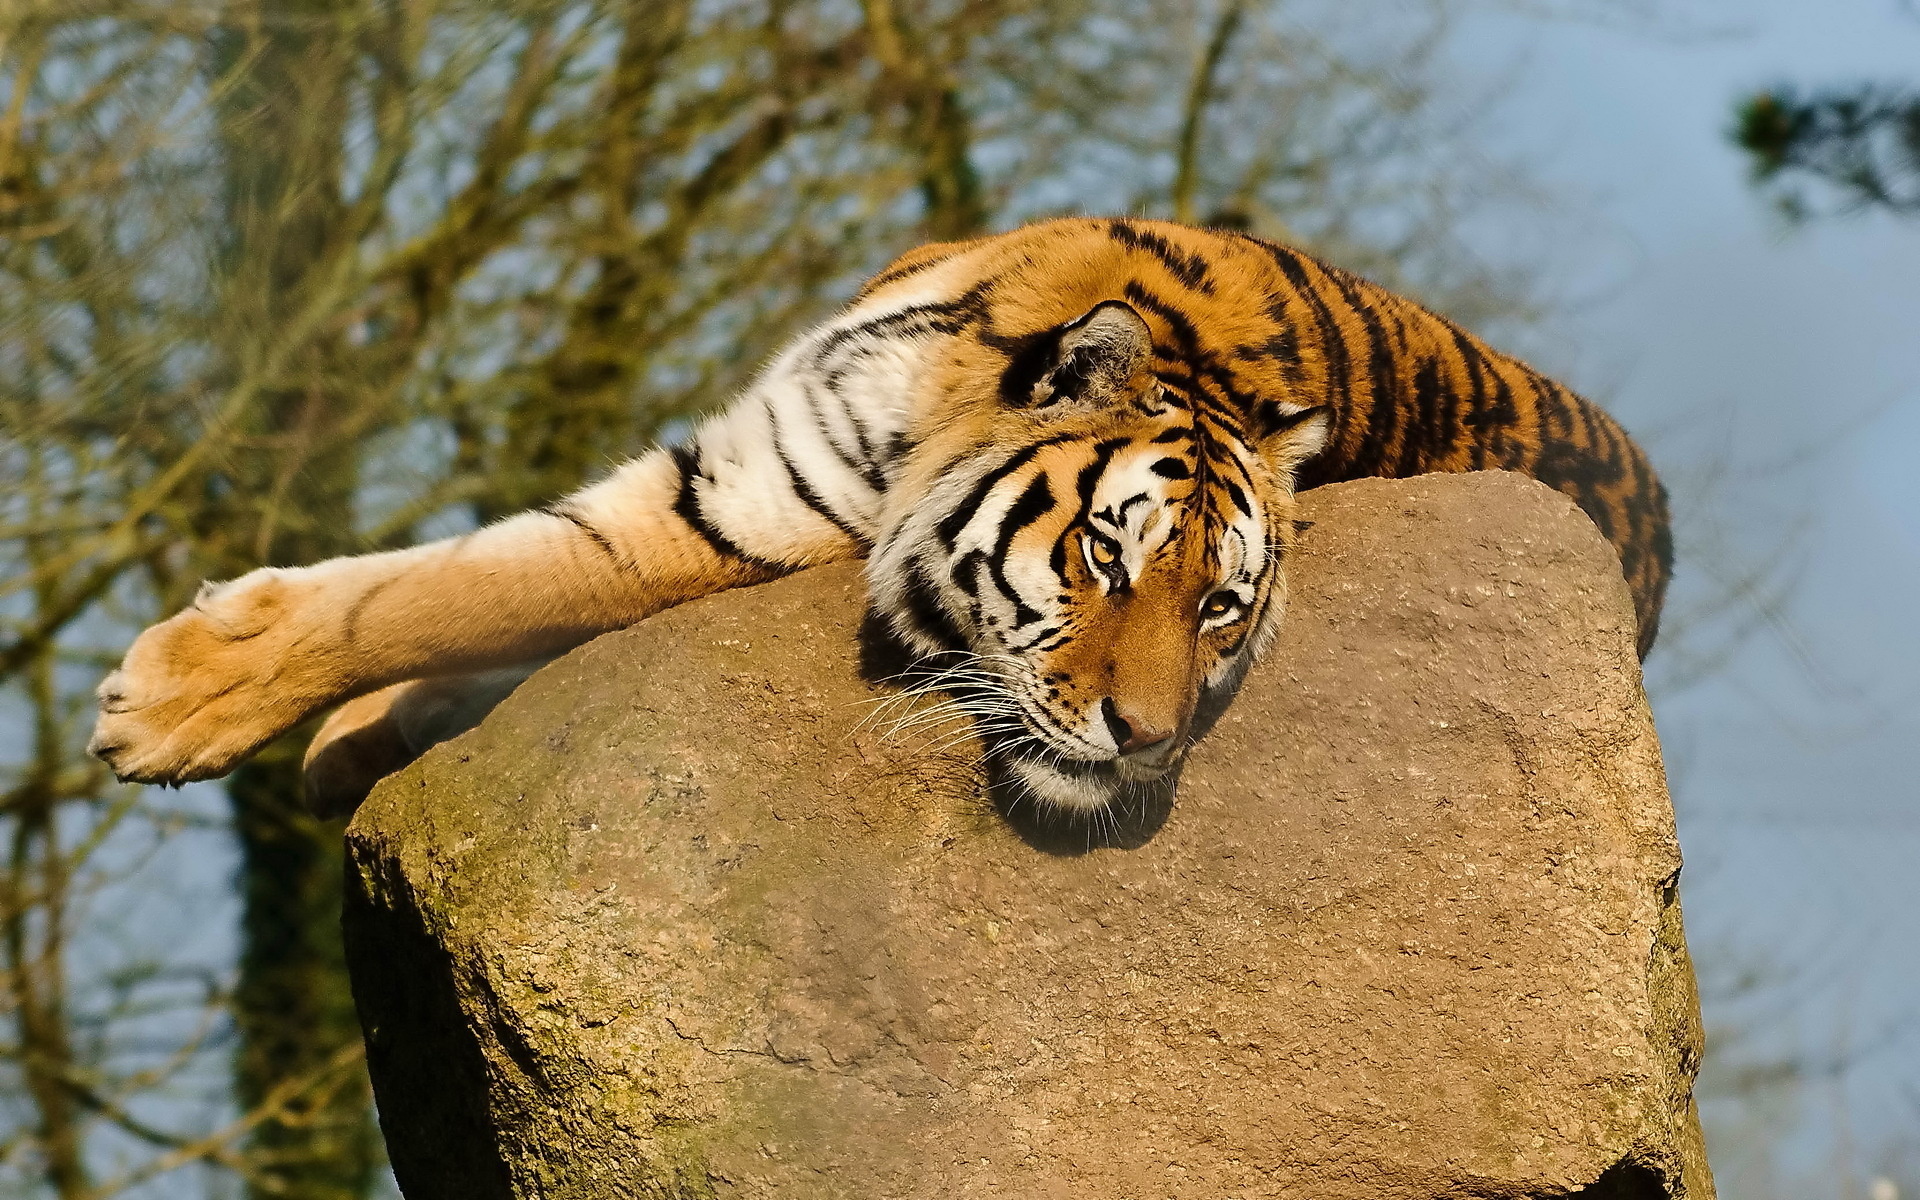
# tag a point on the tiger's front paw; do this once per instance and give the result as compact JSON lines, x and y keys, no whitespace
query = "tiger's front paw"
{"x":201,"y":691}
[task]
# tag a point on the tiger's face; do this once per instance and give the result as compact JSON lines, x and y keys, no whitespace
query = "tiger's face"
{"x":1107,"y":557}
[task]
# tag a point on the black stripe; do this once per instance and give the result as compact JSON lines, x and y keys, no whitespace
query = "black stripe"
{"x":1033,"y":504}
{"x":872,"y":470}
{"x":1045,"y":639}
{"x":966,"y":573}
{"x":854,"y":461}
{"x":813,"y":500}
{"x":1281,"y":348}
{"x":1222,"y":377}
{"x":1494,"y":412}
{"x":1182,"y":328}
{"x":350,"y":626}
{"x":686,"y":506}
{"x":874,"y":452}
{"x":1424,"y":405}
{"x":1090,"y":474}
{"x":1239,"y":643}
{"x":1545,"y":417}
{"x":939,"y":316}
{"x":1605,"y":437}
{"x":1189,"y":269}
{"x":1175,"y":379}
{"x":951,"y":525}
{"x":895,"y":274}
{"x":1057,"y":557}
{"x":1616,"y":437}
{"x":1383,"y":413}
{"x":566,"y":512}
{"x":1220,"y":410}
{"x":868,"y":462}
{"x":1418,"y":441}
{"x":1238,"y":497}
{"x":1262,"y":603}
{"x":1470,"y":358}
{"x":926,"y":611}
{"x":1337,"y":361}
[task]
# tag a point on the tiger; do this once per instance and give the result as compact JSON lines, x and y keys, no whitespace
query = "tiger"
{"x":1069,"y":454}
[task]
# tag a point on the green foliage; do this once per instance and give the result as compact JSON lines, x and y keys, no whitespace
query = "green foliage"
{"x":1844,"y":149}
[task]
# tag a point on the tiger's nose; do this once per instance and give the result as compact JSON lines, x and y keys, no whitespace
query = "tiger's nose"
{"x":1130,"y":734}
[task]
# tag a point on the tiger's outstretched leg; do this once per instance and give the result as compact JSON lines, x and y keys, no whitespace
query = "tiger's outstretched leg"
{"x":370,"y":737}
{"x":250,"y":659}
{"x":796,"y":472}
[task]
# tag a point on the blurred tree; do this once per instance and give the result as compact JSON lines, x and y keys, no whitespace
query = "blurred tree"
{"x":276,"y":137}
{"x":1837,"y":149}
{"x":281,"y":279}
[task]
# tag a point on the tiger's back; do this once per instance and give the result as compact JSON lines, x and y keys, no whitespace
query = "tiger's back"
{"x":1259,"y":324}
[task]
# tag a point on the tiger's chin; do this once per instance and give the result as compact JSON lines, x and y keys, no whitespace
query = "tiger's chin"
{"x":1086,"y":787}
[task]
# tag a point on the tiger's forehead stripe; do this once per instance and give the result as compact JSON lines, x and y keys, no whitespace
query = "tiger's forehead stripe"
{"x":968,"y":509}
{"x":1147,"y":488}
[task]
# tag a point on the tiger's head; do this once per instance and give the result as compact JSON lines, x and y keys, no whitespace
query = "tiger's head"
{"x":1092,"y":550}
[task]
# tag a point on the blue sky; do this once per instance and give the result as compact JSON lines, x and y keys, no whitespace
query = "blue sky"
{"x":1776,"y":375}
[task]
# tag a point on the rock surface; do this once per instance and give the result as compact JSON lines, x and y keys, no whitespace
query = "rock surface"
{"x":672,"y":923}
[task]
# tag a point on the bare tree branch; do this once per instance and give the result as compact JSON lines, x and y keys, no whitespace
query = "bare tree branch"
{"x":1186,"y":176}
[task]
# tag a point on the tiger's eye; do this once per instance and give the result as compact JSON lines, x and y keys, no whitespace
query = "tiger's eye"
{"x":1103,"y":551}
{"x":1219,"y":605}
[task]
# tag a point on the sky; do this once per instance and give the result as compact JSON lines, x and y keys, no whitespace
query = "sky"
{"x":1775,"y":374}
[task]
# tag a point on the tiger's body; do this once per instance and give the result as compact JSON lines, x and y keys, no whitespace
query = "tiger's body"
{"x":1069,"y":454}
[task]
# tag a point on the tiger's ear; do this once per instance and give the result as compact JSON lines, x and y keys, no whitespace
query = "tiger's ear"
{"x":1289,"y":437}
{"x":1106,"y":351}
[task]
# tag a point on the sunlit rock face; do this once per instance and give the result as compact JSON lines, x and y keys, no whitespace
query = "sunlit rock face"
{"x":679,"y":919}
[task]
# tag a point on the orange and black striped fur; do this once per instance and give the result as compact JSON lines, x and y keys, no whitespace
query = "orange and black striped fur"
{"x":1069,"y":454}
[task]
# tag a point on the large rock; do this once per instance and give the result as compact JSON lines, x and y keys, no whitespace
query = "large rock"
{"x":673,"y":923}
